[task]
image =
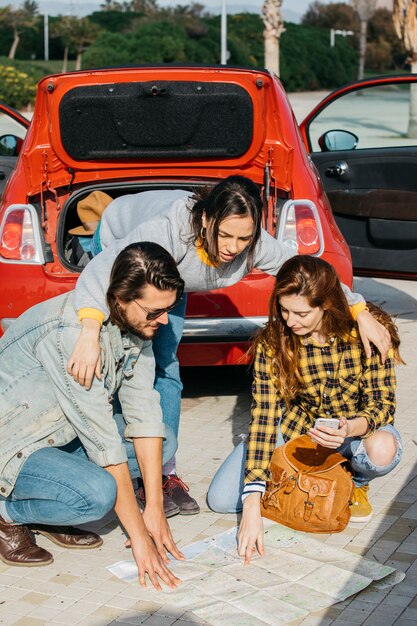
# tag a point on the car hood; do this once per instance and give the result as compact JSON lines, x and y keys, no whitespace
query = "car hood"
{"x":154,"y":121}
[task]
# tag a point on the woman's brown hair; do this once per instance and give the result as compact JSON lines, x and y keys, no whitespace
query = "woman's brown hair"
{"x":317,"y":281}
{"x":233,"y":196}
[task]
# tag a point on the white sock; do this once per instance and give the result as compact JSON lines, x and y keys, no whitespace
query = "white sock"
{"x":169,"y":467}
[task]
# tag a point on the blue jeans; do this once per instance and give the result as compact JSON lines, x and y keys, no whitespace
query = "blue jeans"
{"x":225,"y":491}
{"x":353,"y":449}
{"x":60,"y":486}
{"x":167,"y":375}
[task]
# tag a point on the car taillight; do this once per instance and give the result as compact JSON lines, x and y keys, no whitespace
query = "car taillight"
{"x":307,"y":235}
{"x":20,"y":239}
{"x":300,"y":224}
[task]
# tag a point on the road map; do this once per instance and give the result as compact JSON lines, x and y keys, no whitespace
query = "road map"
{"x":299,"y":574}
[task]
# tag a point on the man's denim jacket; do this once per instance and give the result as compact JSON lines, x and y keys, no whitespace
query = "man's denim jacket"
{"x":41,"y":405}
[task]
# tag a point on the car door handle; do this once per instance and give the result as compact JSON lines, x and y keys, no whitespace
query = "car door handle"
{"x":340,"y":169}
{"x":2,"y":175}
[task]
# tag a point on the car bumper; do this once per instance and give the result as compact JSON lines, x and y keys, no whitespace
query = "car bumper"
{"x":220,"y":329}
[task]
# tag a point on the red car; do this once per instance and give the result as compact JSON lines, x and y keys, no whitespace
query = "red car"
{"x":129,"y":130}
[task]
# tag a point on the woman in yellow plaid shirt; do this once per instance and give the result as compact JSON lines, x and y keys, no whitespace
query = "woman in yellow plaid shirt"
{"x":309,"y":363}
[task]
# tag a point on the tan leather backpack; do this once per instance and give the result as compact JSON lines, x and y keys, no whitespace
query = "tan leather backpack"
{"x":310,"y":487}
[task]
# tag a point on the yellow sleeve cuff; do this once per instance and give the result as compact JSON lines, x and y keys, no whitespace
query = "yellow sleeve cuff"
{"x":355,"y":309}
{"x":91,"y":314}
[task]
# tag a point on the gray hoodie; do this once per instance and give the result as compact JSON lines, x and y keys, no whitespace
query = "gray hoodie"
{"x":164,"y":217}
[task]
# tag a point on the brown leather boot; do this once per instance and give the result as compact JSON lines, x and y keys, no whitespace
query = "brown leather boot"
{"x":18,"y":546}
{"x":68,"y":536}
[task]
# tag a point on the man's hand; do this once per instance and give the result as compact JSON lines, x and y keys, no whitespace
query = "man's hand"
{"x":158,"y":528}
{"x":251,"y":530}
{"x":330,"y":437}
{"x":150,"y":562}
{"x":371,"y":331}
{"x":84,"y":361}
{"x":147,"y":556}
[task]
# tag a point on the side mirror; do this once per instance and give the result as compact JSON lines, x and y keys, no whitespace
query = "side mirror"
{"x":10,"y":145}
{"x":338,"y":140}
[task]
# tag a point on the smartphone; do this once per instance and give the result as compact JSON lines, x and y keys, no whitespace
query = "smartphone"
{"x":329,"y":422}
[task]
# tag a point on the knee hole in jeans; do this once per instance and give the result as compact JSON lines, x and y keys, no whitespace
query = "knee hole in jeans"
{"x":381,"y":448}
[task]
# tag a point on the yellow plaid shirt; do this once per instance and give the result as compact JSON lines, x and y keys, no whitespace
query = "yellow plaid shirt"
{"x":337,"y":381}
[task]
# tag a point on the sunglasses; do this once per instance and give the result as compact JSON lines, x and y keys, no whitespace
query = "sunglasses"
{"x":153,"y":315}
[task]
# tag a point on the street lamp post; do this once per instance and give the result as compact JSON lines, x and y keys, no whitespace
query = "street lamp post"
{"x":334,"y":32}
{"x":223,"y":34}
{"x":46,"y":36}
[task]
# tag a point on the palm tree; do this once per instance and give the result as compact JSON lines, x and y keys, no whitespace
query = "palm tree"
{"x":75,"y":32}
{"x":58,"y":30}
{"x":405,"y":24}
{"x":273,"y":29}
{"x":365,"y":10}
{"x":18,"y":20}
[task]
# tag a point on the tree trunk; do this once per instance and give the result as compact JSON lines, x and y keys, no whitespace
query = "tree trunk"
{"x":362,"y":48}
{"x":79,"y":59}
{"x":65,"y":60}
{"x":14,"y":45}
{"x":412,"y":121}
{"x":271,"y":51}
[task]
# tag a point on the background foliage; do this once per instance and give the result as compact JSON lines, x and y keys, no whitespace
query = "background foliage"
{"x":140,"y":32}
{"x":16,"y":87}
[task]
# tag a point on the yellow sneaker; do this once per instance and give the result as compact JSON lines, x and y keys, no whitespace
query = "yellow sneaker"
{"x":360,"y":509}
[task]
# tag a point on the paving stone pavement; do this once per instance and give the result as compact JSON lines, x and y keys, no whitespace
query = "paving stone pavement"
{"x":78,"y":589}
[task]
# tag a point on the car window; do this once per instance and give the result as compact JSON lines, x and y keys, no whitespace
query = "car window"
{"x":378,"y":116}
{"x":8,"y":126}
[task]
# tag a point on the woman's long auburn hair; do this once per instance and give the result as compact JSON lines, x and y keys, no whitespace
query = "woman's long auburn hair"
{"x":317,"y":281}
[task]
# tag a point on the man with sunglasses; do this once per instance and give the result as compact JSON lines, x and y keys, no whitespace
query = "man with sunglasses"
{"x":66,"y":458}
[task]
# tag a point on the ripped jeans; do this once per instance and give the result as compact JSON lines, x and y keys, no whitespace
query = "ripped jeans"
{"x":225,"y":491}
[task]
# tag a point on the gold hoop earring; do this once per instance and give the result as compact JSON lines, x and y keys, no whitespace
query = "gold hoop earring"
{"x":203,"y":232}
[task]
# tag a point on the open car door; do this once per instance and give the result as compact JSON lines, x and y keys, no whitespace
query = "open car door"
{"x":363,"y":140}
{"x":13,"y":128}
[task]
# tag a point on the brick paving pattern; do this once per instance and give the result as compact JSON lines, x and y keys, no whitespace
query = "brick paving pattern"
{"x":78,"y":589}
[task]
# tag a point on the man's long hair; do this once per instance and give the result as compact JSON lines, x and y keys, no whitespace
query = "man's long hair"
{"x":138,"y":265}
{"x":317,"y":281}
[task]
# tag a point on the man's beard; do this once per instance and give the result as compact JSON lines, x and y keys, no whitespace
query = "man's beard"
{"x":127,"y":327}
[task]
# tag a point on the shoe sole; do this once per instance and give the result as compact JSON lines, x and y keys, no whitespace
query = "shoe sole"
{"x":65,"y":545}
{"x":172,"y":513}
{"x":13,"y":563}
{"x":189,"y":512}
{"x":359,"y":520}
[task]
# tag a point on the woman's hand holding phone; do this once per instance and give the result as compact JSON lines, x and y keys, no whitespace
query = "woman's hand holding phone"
{"x":329,"y":437}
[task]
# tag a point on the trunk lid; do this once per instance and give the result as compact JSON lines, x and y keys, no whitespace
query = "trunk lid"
{"x":156,"y":122}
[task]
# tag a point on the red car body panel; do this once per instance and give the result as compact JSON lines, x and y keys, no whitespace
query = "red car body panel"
{"x":45,"y":173}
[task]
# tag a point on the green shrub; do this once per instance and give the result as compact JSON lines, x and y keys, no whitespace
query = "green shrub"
{"x":307,"y":62}
{"x":158,"y":42}
{"x":17,"y":89}
{"x":245,"y":41}
{"x":109,"y":49}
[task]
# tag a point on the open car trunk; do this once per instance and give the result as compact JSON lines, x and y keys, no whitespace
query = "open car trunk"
{"x":70,"y":253}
